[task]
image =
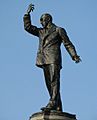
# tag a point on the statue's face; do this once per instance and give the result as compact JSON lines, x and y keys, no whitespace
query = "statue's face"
{"x":44,"y":20}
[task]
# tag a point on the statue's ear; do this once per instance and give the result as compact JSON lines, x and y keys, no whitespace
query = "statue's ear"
{"x":48,"y":19}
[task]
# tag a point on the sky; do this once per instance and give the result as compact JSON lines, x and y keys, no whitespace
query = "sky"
{"x":22,"y":87}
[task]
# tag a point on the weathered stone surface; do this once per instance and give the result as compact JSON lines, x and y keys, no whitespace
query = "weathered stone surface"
{"x":52,"y":115}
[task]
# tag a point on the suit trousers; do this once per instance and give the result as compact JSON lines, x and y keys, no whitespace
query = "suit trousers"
{"x":52,"y":80}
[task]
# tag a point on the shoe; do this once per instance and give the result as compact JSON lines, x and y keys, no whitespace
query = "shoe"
{"x":59,"y":109}
{"x":50,"y":106}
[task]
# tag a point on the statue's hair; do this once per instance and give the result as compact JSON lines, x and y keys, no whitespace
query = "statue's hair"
{"x":47,"y":15}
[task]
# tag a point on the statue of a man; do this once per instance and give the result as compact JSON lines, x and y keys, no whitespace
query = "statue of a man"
{"x":49,"y":54}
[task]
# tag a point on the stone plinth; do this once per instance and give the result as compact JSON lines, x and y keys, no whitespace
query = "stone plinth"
{"x":52,"y":115}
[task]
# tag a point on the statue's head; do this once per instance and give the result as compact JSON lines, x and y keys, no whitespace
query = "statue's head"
{"x":45,"y":19}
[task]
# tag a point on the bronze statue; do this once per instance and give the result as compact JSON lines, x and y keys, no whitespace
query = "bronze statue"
{"x":49,"y":54}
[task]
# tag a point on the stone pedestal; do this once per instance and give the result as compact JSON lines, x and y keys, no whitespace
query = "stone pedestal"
{"x":52,"y":115}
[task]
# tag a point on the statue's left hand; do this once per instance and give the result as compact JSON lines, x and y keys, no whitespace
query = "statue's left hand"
{"x":76,"y":58}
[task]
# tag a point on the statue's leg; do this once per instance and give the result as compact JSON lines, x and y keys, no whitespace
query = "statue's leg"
{"x":52,"y":78}
{"x":59,"y":103}
{"x":47,"y":78}
{"x":55,"y":86}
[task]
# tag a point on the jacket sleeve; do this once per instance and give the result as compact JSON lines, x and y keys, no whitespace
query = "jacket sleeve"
{"x":67,"y":43}
{"x":28,"y":27}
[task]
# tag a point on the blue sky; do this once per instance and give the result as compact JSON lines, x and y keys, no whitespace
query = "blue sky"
{"x":22,"y":87}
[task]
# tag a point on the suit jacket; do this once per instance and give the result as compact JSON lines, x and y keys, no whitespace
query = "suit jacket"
{"x":49,"y":43}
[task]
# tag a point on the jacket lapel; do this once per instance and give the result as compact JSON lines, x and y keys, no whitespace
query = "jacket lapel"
{"x":48,"y":32}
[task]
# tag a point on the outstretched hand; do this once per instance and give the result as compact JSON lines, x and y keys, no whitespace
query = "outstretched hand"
{"x":77,"y":59}
{"x":30,"y":8}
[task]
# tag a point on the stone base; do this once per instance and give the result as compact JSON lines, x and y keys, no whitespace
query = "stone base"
{"x":52,"y":115}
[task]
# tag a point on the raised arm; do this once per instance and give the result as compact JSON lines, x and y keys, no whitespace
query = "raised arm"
{"x":68,"y":45}
{"x":27,"y":22}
